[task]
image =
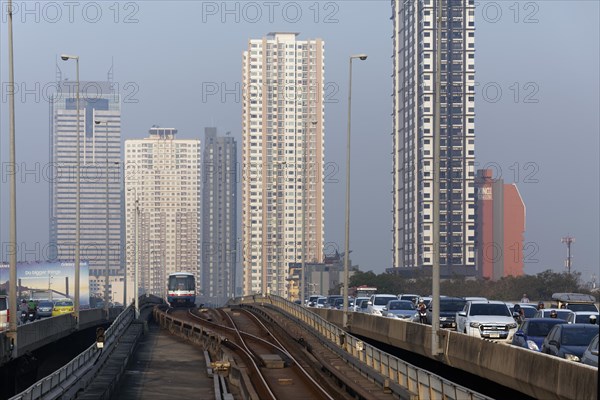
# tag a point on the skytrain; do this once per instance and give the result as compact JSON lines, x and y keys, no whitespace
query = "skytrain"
{"x":181,"y":289}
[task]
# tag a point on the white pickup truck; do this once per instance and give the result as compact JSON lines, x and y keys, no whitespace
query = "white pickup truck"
{"x":486,"y":319}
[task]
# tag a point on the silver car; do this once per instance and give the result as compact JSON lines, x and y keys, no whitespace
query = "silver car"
{"x":45,"y":308}
{"x":400,"y":309}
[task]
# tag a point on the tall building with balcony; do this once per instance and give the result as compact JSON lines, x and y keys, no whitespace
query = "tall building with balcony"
{"x":162,"y":208}
{"x":282,"y":159}
{"x":219,"y":216}
{"x":415,"y":56}
{"x":100,"y":182}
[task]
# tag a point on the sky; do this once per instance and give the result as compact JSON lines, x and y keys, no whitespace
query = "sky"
{"x":178,"y":64}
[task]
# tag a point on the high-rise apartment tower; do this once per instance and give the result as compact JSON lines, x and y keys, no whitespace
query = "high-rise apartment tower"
{"x":282,"y":159}
{"x":219,"y":216}
{"x":415,"y":57}
{"x":162,"y":183}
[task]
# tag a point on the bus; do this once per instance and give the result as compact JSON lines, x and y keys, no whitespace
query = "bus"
{"x":181,"y":289}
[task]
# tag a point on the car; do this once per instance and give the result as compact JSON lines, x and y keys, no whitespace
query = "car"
{"x":62,"y":306}
{"x":357,"y":303}
{"x":330,"y":303}
{"x":401,"y":309}
{"x":561,"y":313}
{"x":339,"y":303}
{"x":487,"y":320}
{"x":363,"y":306}
{"x":3,"y":312}
{"x":533,"y":331}
{"x":471,"y":298}
{"x":411,"y":297}
{"x":590,"y":355}
{"x":321,"y":302}
{"x":576,"y":301}
{"x":312,"y":299}
{"x":45,"y":308}
{"x":583,"y":317}
{"x":529,"y":309}
{"x":569,"y":341}
{"x":449,"y":306}
{"x":378,"y":301}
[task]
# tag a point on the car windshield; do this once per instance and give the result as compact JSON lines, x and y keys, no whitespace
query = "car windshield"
{"x":63,"y":304}
{"x":529,"y":312}
{"x":383,"y":300}
{"x":3,"y":303}
{"x":582,"y":307}
{"x":490,"y":309}
{"x":401,"y":305}
{"x":452,"y":305}
{"x":563,"y":314}
{"x":584,"y":318}
{"x":364,"y":304}
{"x":578,"y":336}
{"x":541,"y":328}
{"x":45,"y":304}
{"x":409,"y":297}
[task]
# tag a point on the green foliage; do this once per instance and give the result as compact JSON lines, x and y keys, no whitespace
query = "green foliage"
{"x":538,"y":287}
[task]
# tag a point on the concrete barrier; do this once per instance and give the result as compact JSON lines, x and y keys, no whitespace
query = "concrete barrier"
{"x":535,"y":374}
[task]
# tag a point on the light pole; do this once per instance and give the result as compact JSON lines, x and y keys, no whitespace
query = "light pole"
{"x":361,"y":57}
{"x":66,"y":57}
{"x":106,"y":295}
{"x":12,"y":301}
{"x":135,"y":253}
{"x":304,"y":180}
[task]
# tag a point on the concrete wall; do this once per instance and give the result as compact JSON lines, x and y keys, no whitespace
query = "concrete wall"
{"x":535,"y":374}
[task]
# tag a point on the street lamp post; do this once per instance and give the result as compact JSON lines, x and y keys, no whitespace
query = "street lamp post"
{"x":135,"y":253}
{"x":106,"y":269}
{"x":304,"y":181}
{"x":12,"y":290}
{"x":66,"y":57}
{"x":136,"y":273}
{"x":361,"y":57}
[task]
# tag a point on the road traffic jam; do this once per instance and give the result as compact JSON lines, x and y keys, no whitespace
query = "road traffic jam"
{"x":568,"y":328}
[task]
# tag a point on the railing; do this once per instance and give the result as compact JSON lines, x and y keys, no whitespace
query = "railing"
{"x":369,"y":360}
{"x":54,"y":385}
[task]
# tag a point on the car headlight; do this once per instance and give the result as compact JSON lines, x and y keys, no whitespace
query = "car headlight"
{"x":532,"y":346}
{"x":511,"y":326}
{"x":571,"y":357}
{"x":474,"y":324}
{"x":443,"y":318}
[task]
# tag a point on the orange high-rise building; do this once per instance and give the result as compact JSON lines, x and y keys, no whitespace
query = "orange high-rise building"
{"x":500,"y":227}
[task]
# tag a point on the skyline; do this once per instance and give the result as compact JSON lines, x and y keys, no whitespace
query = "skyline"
{"x":565,"y":86}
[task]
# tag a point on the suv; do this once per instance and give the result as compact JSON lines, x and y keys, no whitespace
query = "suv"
{"x":449,"y":306}
{"x":378,"y":301}
{"x":575,"y":301}
{"x":3,"y":312}
{"x":486,"y":319}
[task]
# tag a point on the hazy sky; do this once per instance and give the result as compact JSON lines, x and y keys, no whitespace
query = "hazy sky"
{"x":537,"y":102}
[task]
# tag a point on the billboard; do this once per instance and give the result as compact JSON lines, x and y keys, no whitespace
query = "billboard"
{"x":57,"y":276}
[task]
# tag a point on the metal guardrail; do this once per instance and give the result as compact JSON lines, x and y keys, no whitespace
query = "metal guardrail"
{"x":54,"y":385}
{"x":424,"y":384}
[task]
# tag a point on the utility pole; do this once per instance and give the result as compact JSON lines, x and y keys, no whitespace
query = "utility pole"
{"x":435,"y":273}
{"x":568,"y":240}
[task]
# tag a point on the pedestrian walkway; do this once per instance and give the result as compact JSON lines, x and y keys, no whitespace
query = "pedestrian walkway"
{"x":165,"y":367}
